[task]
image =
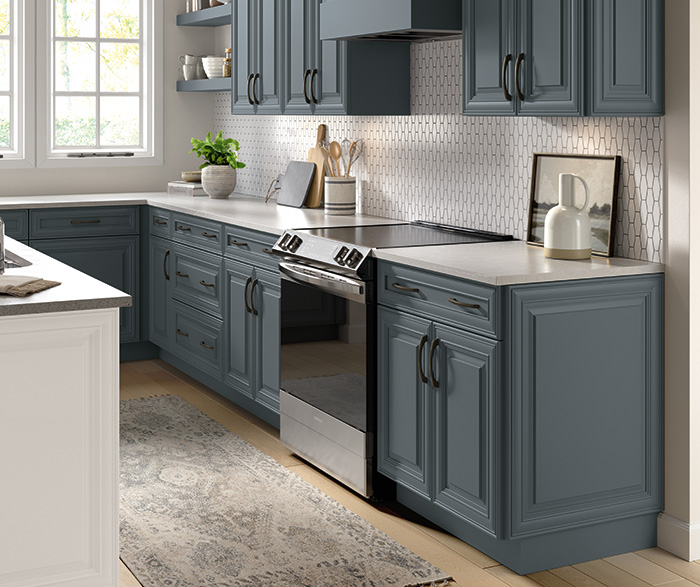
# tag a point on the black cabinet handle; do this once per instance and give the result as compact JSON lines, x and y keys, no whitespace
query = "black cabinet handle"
{"x":307,"y":73}
{"x":206,"y":346}
{"x":404,"y":288}
{"x":206,"y":234}
{"x":181,"y":274}
{"x":456,"y":302}
{"x":255,"y":92}
{"x":433,"y":346}
{"x":504,"y":82}
{"x":421,"y":373}
{"x":268,"y":251}
{"x":182,"y":333}
{"x":161,"y":222}
{"x":252,"y":291}
{"x":311,"y":86}
{"x":247,"y":90}
{"x":184,"y":229}
{"x":233,"y":241}
{"x":518,"y":62}
{"x":165,"y":265}
{"x":205,"y":284}
{"x":245,"y":295}
{"x":97,"y":221}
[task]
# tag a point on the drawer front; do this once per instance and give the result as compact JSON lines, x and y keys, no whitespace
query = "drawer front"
{"x":252,"y":246}
{"x":198,"y":232}
{"x":198,"y":338}
{"x":16,"y":223}
{"x":197,"y":278}
{"x":160,"y":222}
{"x":456,"y":301}
{"x":73,"y":222}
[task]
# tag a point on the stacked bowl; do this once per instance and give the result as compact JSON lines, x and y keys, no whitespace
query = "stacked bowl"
{"x":213,"y":66}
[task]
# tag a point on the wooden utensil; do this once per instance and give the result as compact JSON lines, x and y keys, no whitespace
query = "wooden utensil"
{"x":316,"y":156}
{"x":351,"y":154}
{"x":336,"y":153}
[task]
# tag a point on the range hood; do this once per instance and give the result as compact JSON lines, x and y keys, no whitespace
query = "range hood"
{"x":391,"y":20}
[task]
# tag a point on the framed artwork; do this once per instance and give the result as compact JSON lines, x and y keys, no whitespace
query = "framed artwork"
{"x":601,"y":173}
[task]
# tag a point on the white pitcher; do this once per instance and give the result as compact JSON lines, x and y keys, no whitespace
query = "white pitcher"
{"x":567,"y":229}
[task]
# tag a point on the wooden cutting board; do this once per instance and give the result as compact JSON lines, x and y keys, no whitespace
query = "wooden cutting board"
{"x":315,"y":197}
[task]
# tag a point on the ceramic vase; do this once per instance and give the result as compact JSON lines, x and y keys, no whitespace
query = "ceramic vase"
{"x":219,"y":181}
{"x":567,"y":228}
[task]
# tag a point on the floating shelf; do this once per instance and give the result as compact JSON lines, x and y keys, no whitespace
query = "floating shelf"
{"x":215,"y":16}
{"x":220,"y":84}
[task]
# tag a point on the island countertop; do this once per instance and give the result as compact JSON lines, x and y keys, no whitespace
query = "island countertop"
{"x":77,"y":291}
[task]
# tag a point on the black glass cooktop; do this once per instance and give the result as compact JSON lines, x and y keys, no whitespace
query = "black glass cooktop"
{"x":415,"y":234}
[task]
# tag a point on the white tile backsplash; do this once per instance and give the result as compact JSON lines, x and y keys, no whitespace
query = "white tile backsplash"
{"x":441,"y":166}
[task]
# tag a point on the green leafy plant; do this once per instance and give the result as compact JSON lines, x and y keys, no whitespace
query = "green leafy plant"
{"x":220,"y":151}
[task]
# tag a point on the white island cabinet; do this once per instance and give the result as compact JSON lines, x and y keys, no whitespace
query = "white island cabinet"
{"x":59,"y":449}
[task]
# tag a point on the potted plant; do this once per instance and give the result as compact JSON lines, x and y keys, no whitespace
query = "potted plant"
{"x":221,"y":162}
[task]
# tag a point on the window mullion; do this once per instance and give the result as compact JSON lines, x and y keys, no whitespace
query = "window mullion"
{"x":98,"y":88}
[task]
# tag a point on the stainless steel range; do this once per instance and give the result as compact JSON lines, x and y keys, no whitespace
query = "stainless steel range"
{"x":328,"y":357}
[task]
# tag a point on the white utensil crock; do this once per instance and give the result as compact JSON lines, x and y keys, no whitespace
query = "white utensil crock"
{"x":567,"y":229}
{"x":339,"y":195}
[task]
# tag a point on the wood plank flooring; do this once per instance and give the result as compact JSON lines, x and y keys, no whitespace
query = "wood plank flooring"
{"x":468,"y":566}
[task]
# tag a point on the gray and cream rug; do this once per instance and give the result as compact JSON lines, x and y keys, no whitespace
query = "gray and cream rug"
{"x":202,"y":507}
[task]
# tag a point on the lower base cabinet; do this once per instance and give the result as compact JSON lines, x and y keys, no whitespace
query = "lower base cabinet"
{"x":541,"y":447}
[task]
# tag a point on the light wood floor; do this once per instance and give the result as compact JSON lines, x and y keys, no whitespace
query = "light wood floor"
{"x":469,"y":567}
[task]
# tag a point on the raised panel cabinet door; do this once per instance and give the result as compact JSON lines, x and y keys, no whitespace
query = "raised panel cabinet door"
{"x":113,"y":260}
{"x":265,"y":304}
{"x":465,"y":383}
{"x":587,"y":402}
{"x":403,"y":400}
{"x":243,"y":63}
{"x":267,"y":82}
{"x":298,"y":58}
{"x":548,"y":66}
{"x":627,"y":65}
{"x":489,"y":57}
{"x":238,"y":362}
{"x":159,"y":292}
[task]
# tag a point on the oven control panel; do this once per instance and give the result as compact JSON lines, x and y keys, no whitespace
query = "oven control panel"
{"x":320,"y":249}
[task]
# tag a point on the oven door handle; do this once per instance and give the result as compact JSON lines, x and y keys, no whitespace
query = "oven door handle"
{"x":342,"y":286}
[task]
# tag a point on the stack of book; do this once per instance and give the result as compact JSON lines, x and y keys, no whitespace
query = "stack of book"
{"x":185,"y":188}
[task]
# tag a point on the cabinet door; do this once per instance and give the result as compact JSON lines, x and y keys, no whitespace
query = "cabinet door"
{"x":266,"y":87}
{"x":627,"y":42}
{"x":465,"y":424}
{"x":265,"y":304}
{"x":111,"y":259}
{"x":159,"y":292}
{"x":239,"y":359}
{"x":550,"y":71}
{"x":403,"y":399}
{"x":488,"y":57}
{"x":297,"y":65}
{"x":243,"y":63}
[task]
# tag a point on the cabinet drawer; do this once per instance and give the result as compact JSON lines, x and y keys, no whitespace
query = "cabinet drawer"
{"x":198,"y":338}
{"x":16,"y":223}
{"x":160,"y":222}
{"x":252,"y":246}
{"x":198,"y":232}
{"x":463,"y":303}
{"x":197,"y":279}
{"x":72,"y":222}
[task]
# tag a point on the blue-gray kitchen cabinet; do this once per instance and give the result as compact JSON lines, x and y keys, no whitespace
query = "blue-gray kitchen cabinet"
{"x":159,"y":303}
{"x":523,"y":57}
{"x":341,"y":77}
{"x":16,"y":223}
{"x":256,"y":67}
{"x":626,"y":57}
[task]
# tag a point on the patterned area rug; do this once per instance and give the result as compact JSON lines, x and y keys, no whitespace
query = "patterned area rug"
{"x":202,"y":507}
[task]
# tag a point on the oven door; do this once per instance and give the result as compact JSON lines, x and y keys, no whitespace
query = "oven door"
{"x":324,"y":391}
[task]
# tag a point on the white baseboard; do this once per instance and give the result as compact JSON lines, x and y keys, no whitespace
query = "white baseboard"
{"x":678,"y":537}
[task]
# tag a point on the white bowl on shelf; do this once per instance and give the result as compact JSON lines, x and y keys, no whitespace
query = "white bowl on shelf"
{"x":213,"y":66}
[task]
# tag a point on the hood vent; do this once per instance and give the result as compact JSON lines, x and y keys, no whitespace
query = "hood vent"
{"x":391,"y":20}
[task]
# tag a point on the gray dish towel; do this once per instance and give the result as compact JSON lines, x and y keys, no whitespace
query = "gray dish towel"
{"x":21,"y":286}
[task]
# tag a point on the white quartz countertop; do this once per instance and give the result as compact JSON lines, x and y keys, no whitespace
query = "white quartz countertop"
{"x":76,"y":292}
{"x":506,"y":263}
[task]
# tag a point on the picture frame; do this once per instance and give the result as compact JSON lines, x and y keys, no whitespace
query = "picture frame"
{"x":601,"y":173}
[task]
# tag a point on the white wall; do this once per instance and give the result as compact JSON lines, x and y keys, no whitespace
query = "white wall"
{"x":184,"y":115}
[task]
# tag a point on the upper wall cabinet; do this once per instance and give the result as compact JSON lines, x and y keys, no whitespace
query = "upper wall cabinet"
{"x":627,"y":57}
{"x":563,"y":57}
{"x":523,"y":57}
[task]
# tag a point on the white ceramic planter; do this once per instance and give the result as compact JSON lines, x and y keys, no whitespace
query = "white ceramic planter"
{"x":339,"y":195}
{"x":219,"y":181}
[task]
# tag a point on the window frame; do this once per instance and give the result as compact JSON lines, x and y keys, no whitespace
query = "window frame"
{"x":152,"y":92}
